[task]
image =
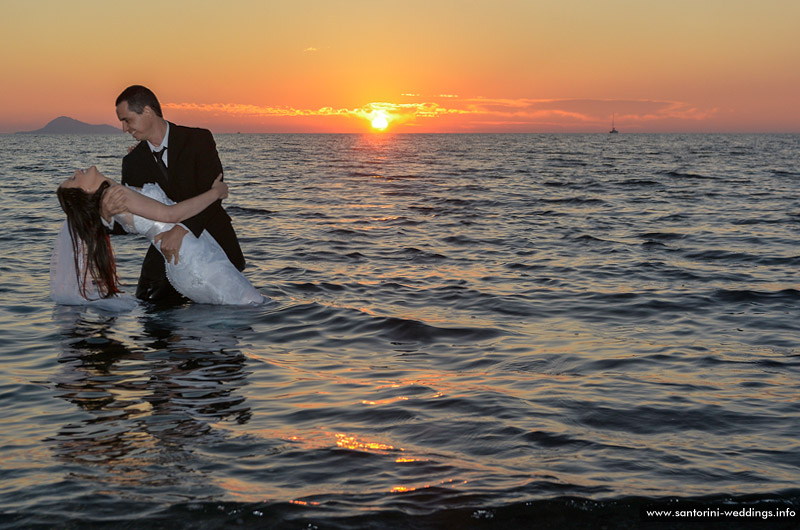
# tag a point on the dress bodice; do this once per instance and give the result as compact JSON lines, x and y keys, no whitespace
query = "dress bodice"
{"x":204,"y":273}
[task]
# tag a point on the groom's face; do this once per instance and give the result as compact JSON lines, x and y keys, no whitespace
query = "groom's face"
{"x":140,"y":126}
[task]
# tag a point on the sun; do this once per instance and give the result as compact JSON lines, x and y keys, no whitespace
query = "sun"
{"x":380,"y":122}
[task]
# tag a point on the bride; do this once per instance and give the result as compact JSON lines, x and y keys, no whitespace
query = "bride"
{"x":83,"y":268}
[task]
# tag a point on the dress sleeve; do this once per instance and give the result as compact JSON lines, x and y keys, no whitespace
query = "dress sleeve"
{"x":125,"y":220}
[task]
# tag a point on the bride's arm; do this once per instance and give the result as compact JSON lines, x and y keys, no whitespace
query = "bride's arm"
{"x":151,"y":209}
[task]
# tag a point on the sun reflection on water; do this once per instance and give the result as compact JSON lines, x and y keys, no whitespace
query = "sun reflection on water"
{"x":351,"y":442}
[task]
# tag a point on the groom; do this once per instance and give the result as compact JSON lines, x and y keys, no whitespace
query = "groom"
{"x":184,"y":162}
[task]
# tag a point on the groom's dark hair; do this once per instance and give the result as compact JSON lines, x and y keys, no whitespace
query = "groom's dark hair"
{"x":137,"y":97}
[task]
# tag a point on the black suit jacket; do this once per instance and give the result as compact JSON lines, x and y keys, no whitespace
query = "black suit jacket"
{"x":193,"y":164}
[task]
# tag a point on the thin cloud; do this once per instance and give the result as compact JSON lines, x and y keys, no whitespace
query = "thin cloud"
{"x":588,"y":110}
{"x":426,"y":110}
{"x":564,"y":113}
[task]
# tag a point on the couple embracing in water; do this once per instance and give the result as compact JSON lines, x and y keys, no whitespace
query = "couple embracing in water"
{"x":170,"y":192}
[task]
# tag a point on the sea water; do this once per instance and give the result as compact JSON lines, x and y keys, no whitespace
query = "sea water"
{"x":469,"y":330}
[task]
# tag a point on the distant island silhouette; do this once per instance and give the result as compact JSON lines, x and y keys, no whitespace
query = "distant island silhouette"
{"x":66,"y":125}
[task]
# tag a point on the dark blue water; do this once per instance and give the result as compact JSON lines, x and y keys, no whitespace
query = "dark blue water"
{"x":478,"y":331}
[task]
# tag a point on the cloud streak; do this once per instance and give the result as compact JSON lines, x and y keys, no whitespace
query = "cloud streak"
{"x":471,"y":113}
{"x":586,"y":110}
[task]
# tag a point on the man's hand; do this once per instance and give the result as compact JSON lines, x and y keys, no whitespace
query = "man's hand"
{"x":220,"y":187}
{"x":171,"y":241}
{"x":113,"y":202}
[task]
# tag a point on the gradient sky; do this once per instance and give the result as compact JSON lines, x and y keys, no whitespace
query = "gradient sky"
{"x":427,"y":66}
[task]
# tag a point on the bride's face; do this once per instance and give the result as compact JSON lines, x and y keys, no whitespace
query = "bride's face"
{"x":88,"y":179}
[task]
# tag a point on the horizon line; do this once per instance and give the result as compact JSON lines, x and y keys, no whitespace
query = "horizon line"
{"x":409,"y":133}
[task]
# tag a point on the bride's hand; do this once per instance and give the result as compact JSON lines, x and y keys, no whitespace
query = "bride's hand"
{"x":220,"y":187}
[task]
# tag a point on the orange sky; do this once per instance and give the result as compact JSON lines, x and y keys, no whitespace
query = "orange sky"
{"x":427,"y":66}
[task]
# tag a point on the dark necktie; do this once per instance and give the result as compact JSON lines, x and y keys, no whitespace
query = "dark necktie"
{"x":160,"y":161}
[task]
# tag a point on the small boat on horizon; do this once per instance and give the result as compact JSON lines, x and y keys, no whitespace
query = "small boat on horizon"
{"x":613,"y":129}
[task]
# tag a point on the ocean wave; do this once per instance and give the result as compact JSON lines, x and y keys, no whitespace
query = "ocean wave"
{"x":433,"y":508}
{"x":687,"y":175}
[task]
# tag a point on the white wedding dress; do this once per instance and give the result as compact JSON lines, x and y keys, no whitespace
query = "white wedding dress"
{"x":203,"y":273}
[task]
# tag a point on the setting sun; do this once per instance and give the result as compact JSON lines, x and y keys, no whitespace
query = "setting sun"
{"x":380,"y":122}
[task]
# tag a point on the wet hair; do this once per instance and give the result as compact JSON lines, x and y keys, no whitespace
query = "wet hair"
{"x":90,"y":239}
{"x":138,"y":97}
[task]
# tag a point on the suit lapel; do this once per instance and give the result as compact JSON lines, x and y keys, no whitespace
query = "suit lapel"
{"x":177,"y":143}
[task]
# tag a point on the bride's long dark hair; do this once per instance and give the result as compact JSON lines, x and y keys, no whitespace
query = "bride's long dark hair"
{"x":90,"y":239}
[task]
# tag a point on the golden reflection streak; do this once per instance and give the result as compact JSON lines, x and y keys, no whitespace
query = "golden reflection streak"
{"x":406,"y":489}
{"x":348,"y":441}
{"x":321,"y":439}
{"x":384,"y":401}
{"x":248,"y":492}
{"x":304,"y":503}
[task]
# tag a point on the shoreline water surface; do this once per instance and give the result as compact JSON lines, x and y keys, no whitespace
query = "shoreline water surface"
{"x":481,"y":330}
